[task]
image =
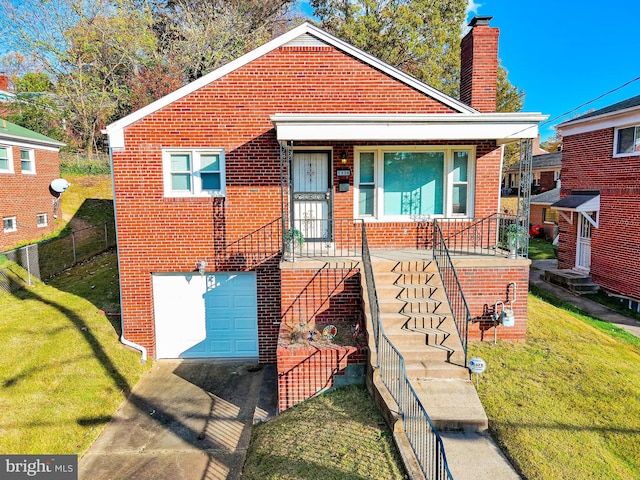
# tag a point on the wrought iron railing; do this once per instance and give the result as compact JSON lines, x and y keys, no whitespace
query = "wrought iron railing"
{"x":453,"y":290}
{"x":423,"y":437}
{"x":493,"y":235}
{"x":323,"y":238}
{"x":250,"y":250}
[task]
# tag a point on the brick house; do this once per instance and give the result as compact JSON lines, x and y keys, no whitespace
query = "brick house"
{"x":306,"y":137}
{"x":600,"y":198}
{"x":545,"y":168}
{"x":28,"y":164}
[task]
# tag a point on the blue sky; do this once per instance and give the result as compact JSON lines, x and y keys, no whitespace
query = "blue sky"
{"x":564,"y":53}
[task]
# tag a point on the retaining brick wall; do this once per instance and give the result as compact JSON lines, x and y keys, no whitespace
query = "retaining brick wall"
{"x":483,"y":286}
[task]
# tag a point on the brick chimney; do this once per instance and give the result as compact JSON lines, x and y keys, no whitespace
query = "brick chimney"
{"x":4,"y":82}
{"x":479,"y":65}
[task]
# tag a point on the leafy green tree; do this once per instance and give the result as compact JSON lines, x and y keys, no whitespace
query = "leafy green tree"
{"x":201,"y":35}
{"x":420,"y":37}
{"x":89,"y":50}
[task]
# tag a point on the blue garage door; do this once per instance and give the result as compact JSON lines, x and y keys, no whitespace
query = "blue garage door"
{"x":210,"y":316}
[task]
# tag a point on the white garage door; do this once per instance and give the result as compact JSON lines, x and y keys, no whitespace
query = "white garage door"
{"x":205,"y":316}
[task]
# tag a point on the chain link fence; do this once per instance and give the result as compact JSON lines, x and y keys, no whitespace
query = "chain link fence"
{"x":45,"y":259}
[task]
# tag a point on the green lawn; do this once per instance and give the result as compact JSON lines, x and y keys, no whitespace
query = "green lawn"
{"x":338,"y":435}
{"x":63,"y":372}
{"x":540,"y":249}
{"x":565,"y":404}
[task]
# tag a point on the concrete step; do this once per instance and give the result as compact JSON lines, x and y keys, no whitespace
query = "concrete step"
{"x":406,"y":291}
{"x":417,"y":321}
{"x":452,"y":405}
{"x":474,"y":455}
{"x":408,"y":306}
{"x":428,"y":365}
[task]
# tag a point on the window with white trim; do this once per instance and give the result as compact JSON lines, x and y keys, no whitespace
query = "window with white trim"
{"x":10,"y":224}
{"x":194,"y":172}
{"x":627,"y":141}
{"x":402,"y":183}
{"x":42,"y":220}
{"x":6,"y":162}
{"x":27,"y":161}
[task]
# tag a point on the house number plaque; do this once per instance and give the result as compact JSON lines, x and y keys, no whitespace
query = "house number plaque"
{"x":344,"y":172}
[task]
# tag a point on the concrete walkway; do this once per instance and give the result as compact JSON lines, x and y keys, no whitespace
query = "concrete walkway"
{"x":185,"y":420}
{"x":538,"y":267}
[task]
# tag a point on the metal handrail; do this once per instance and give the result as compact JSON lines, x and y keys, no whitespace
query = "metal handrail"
{"x":452,"y":288}
{"x":423,"y":437}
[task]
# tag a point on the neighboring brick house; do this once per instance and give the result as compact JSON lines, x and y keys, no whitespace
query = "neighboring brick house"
{"x":28,"y":164}
{"x":600,"y":197}
{"x":310,"y":132}
{"x":545,"y":169}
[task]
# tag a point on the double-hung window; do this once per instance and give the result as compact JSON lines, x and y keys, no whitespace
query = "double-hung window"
{"x":627,"y":141}
{"x":42,"y":220}
{"x":27,"y":161}
{"x":404,"y":183}
{"x":10,"y":224}
{"x":6,"y":162}
{"x":194,"y":172}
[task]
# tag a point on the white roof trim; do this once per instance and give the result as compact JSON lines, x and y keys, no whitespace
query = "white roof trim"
{"x":116,"y":133}
{"x":502,"y":127}
{"x":19,"y":141}
{"x":629,"y":116}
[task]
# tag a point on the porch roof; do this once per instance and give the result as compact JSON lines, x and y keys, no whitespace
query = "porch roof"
{"x":579,"y":201}
{"x":501,"y":127}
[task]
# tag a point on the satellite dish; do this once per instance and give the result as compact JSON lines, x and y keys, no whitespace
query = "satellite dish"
{"x":59,"y":185}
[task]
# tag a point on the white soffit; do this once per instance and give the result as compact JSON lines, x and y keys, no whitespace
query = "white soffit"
{"x":502,"y":127}
{"x":305,"y":34}
{"x":620,"y":118}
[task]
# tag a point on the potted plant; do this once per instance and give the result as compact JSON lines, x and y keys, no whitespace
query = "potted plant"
{"x":516,"y":238}
{"x":293,"y":241}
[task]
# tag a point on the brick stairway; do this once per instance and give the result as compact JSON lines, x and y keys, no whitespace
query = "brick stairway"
{"x":417,"y":320}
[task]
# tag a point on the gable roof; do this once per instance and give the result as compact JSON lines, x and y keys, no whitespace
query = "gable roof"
{"x":616,"y":107}
{"x":305,"y":33}
{"x":11,"y":131}
{"x":547,"y":198}
{"x":545,"y":160}
{"x":626,"y":112}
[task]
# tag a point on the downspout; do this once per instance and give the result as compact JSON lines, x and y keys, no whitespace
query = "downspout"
{"x":124,"y":341}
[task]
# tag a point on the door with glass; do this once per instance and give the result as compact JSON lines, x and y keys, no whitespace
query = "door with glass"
{"x":311,"y":192}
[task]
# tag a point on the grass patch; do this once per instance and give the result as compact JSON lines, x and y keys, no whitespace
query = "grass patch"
{"x":63,"y":371}
{"x":338,"y":435}
{"x":540,"y":249}
{"x":613,"y":303}
{"x":565,"y":404}
{"x":89,"y":199}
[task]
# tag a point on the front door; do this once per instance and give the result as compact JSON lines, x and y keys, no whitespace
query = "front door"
{"x":311,"y":185}
{"x":583,"y":247}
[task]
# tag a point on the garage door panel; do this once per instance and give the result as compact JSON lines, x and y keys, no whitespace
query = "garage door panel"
{"x":206,"y":316}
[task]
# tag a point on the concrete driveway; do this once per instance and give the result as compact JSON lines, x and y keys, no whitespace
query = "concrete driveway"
{"x":185,"y":420}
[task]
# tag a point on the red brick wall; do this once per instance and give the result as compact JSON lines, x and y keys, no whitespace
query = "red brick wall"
{"x":304,"y":371}
{"x":483,"y":286}
{"x":158,"y":234}
{"x":24,"y":196}
{"x":479,"y":68}
{"x":588,"y":163}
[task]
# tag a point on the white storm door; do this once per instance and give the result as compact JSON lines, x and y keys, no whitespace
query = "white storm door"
{"x":583,"y":247}
{"x":311,"y":173}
